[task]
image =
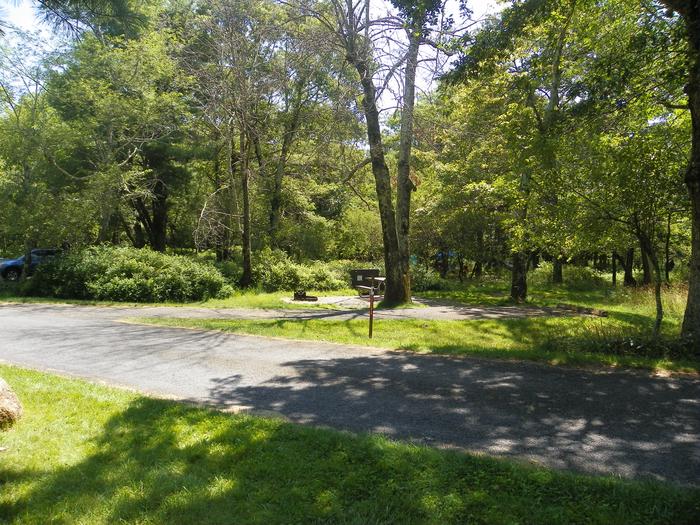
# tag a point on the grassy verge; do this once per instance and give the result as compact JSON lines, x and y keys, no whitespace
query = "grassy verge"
{"x":248,"y":299}
{"x":88,"y":454}
{"x":618,"y":299}
{"x":559,"y":341}
{"x":594,"y":295}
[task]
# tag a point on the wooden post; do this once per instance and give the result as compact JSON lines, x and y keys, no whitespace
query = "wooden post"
{"x":371,"y":310}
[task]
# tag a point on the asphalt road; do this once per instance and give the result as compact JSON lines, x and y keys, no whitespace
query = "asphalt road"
{"x":628,"y":424}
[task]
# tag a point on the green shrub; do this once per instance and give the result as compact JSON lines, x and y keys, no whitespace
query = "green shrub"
{"x":127,"y":274}
{"x":424,"y":278}
{"x":231,"y":270}
{"x":273,"y":270}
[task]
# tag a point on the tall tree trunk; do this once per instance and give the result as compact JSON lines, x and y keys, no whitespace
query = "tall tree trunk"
{"x":444,"y":262}
{"x":647,"y":247}
{"x":646,"y":267}
{"x":518,"y":284}
{"x":691,"y":320}
{"x":405,"y":185}
{"x":139,"y":237}
{"x":222,"y":239}
{"x":479,"y":259}
{"x":144,"y":220}
{"x":159,"y":222}
{"x":628,"y":264}
{"x":276,"y":202}
{"x":396,"y":291}
{"x":690,"y":11}
{"x":106,"y":225}
{"x":667,"y":251}
{"x":657,"y":293}
{"x":478,"y":270}
{"x":289,"y":131}
{"x":546,"y":126}
{"x":247,"y":276}
{"x":557,"y":271}
{"x":233,"y":160}
{"x":614,"y":268}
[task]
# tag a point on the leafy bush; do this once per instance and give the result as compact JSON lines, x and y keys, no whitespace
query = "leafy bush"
{"x":273,"y":271}
{"x":424,"y":278}
{"x":127,"y":274}
{"x":231,"y":270}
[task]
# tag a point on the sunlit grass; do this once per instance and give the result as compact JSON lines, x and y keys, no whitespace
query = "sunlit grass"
{"x":89,"y":454}
{"x":240,"y":299}
{"x":551,"y":340}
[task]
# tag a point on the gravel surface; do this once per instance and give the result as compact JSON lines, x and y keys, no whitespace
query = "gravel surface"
{"x":628,"y":424}
{"x":430,"y":311}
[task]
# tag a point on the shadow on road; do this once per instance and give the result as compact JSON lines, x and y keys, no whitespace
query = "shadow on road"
{"x":623,"y":423}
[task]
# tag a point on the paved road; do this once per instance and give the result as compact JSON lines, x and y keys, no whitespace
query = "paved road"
{"x":435,"y":310}
{"x":628,"y":424}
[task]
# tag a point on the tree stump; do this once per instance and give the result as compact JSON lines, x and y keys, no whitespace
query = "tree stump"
{"x":10,"y":407}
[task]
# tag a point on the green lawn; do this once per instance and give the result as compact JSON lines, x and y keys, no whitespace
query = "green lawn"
{"x":559,"y":341}
{"x":240,"y":299}
{"x":618,"y":299}
{"x":593,"y":295}
{"x":85,"y":453}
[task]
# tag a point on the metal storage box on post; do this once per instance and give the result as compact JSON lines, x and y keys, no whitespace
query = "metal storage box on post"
{"x":362,"y":277}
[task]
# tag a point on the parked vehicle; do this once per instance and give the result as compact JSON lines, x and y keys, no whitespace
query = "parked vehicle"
{"x":11,"y":269}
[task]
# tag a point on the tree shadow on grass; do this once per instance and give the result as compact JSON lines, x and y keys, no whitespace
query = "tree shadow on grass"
{"x":162,"y":462}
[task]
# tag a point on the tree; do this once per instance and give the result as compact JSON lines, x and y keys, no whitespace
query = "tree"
{"x":359,"y":35}
{"x":127,"y":99}
{"x":689,"y":11}
{"x":625,"y":178}
{"x":38,"y":200}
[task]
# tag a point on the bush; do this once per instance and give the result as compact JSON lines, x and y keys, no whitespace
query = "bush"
{"x":231,"y":270}
{"x":424,"y":278}
{"x":127,"y":274}
{"x":273,"y":271}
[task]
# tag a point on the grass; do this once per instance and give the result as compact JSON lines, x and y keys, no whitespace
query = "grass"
{"x":240,"y":299}
{"x":593,"y":295}
{"x":552,"y":340}
{"x":85,"y":453}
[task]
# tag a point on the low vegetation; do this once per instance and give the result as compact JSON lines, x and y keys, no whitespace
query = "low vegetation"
{"x":126,"y":274}
{"x":276,"y":271}
{"x":103,"y":455}
{"x":623,"y":337}
{"x":122,"y":274}
{"x":561,"y":341}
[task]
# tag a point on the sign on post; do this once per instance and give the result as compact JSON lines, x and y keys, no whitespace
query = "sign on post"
{"x":377,"y":283}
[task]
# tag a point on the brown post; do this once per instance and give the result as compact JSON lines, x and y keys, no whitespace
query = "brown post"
{"x":371,"y":310}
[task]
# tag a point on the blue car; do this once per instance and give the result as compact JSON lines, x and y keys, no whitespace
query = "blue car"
{"x":11,"y":269}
